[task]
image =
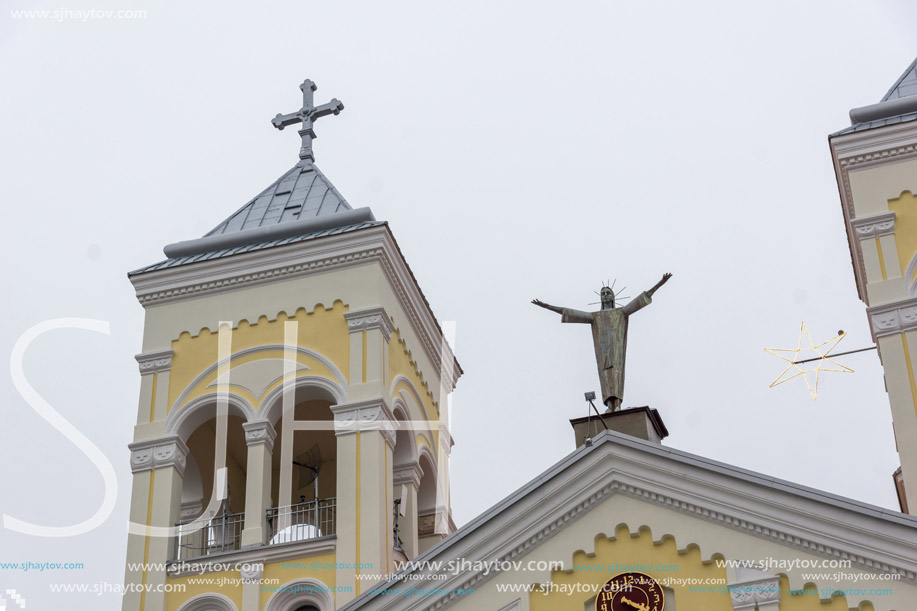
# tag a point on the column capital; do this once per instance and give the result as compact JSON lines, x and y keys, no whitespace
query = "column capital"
{"x":407,"y":474}
{"x":896,"y":317}
{"x":874,"y":226}
{"x":155,"y":362}
{"x":371,"y":415}
{"x":260,"y":432}
{"x":752,"y":586}
{"x":159,"y":453}
{"x":370,"y":318}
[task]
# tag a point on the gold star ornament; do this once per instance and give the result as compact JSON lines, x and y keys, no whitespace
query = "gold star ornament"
{"x":815,"y":365}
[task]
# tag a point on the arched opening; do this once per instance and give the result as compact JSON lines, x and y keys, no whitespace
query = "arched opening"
{"x":209,"y":602}
{"x":304,"y":477}
{"x":426,"y":503}
{"x":404,"y":483}
{"x":213,"y":508}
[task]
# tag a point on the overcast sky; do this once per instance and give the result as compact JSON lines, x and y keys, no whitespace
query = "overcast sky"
{"x":518,"y":150}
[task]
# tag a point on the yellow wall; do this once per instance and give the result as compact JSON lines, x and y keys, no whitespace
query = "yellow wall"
{"x":276,"y":573}
{"x":322,"y":330}
{"x":401,"y":362}
{"x":640,"y":549}
{"x":594,"y":569}
{"x":905,"y":209}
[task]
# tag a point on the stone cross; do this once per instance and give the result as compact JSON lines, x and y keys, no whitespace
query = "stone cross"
{"x":306,"y":115}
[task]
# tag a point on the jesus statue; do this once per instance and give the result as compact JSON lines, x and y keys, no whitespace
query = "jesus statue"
{"x":609,"y":335}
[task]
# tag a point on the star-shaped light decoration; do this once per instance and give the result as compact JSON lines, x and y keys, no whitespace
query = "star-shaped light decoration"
{"x":820,"y":361}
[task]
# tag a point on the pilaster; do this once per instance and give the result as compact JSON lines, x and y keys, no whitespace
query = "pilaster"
{"x":158,"y":466}
{"x":408,"y":476}
{"x":365,"y":438}
{"x":259,"y":436}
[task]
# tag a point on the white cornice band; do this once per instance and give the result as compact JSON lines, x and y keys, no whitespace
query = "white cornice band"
{"x":155,"y":362}
{"x":245,"y":270}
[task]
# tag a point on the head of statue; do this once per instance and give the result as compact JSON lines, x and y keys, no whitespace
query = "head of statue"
{"x":608,"y":298}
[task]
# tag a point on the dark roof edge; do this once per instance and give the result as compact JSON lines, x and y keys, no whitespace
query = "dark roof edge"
{"x":266,"y":234}
{"x":883,"y":110}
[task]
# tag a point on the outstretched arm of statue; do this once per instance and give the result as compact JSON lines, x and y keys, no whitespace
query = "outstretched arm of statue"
{"x":665,"y":278}
{"x":547,"y":306}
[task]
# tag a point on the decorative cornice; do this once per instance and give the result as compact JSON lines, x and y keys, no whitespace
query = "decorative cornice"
{"x":158,"y":453}
{"x":760,"y":530}
{"x":260,"y":432}
{"x":891,"y":318}
{"x":370,"y":318}
{"x":750,"y":594}
{"x":407,"y":474}
{"x":299,"y":259}
{"x":878,"y":156}
{"x":154,"y":362}
{"x":371,"y":415}
{"x":874,"y":226}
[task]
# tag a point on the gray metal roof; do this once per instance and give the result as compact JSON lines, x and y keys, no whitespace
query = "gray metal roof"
{"x":302,"y":192}
{"x":226,"y":252}
{"x":906,"y":85}
{"x":877,"y":123}
{"x":300,"y":205}
{"x":899,"y":105}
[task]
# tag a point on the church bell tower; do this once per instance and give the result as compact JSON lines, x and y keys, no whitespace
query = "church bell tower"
{"x":294,"y":385}
{"x":875,"y":160}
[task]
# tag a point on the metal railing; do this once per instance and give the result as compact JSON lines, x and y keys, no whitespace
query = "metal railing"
{"x":202,"y":536}
{"x":300,"y":522}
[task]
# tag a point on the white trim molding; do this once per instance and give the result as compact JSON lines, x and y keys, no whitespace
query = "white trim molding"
{"x":370,"y":318}
{"x":235,"y":356}
{"x":209,"y":602}
{"x":874,"y":226}
{"x":891,"y":318}
{"x":155,"y":362}
{"x":159,"y":453}
{"x":260,"y":432}
{"x":260,"y":555}
{"x":300,"y":592}
{"x":370,"y":415}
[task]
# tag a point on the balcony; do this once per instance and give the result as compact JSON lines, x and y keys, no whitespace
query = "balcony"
{"x":203,"y":537}
{"x":300,"y":522}
{"x":304,"y":521}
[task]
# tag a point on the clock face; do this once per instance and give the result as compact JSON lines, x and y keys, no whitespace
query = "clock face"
{"x":630,"y":592}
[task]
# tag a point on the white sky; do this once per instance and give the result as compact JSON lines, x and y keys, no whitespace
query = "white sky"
{"x":518,"y":150}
